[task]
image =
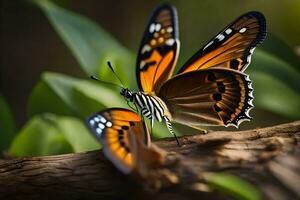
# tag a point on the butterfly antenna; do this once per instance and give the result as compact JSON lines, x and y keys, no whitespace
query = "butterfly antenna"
{"x":109,"y":83}
{"x":113,"y":71}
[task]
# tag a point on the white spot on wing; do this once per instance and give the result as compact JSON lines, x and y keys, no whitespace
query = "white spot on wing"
{"x":146,"y":48}
{"x":170,"y":41}
{"x":220,"y":37}
{"x":170,"y":29}
{"x":108,"y":124}
{"x":143,"y":63}
{"x":99,"y":131}
{"x":101,"y":126}
{"x":228,"y":31}
{"x":92,"y":122}
{"x":102,"y":119}
{"x":96,"y":119}
{"x":210,"y":43}
{"x":243,"y":30}
{"x":249,"y":59}
{"x":157,"y":27}
{"x":152,"y":28}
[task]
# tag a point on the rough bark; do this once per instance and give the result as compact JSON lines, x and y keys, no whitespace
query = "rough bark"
{"x":268,"y":158}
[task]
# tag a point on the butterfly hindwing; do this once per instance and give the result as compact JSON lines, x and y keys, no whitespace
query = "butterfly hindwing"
{"x":214,"y":96}
{"x":117,"y":129}
{"x":159,"y":50}
{"x":232,"y":48}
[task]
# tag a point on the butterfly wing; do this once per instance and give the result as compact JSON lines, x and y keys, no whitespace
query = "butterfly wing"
{"x":214,"y":96}
{"x":232,"y":48}
{"x":117,"y":129}
{"x":159,"y":50}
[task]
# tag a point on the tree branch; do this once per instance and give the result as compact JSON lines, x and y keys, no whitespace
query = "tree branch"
{"x":267,"y":158}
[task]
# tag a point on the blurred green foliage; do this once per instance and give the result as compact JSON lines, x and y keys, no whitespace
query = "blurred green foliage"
{"x":82,"y":36}
{"x":75,"y":97}
{"x":233,"y":186}
{"x":59,"y":104}
{"x":51,"y":134}
{"x":7,"y":125}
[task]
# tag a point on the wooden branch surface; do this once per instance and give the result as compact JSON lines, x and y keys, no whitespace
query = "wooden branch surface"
{"x":268,"y":158}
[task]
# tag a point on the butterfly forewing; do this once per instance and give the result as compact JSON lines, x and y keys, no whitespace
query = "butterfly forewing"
{"x":215,"y":96}
{"x":232,"y":48}
{"x":159,"y":50}
{"x":115,"y":128}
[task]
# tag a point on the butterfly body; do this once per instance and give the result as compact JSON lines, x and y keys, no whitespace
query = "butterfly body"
{"x":150,"y":106}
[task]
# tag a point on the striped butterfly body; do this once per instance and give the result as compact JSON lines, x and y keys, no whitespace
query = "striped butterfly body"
{"x":211,"y":88}
{"x":151,"y":107}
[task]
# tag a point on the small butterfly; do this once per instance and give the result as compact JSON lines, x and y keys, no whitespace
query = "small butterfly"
{"x":122,"y":134}
{"x":211,"y":88}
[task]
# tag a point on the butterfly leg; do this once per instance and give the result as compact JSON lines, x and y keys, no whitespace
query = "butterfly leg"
{"x":151,"y":124}
{"x":136,"y":108}
{"x":152,"y":121}
{"x":170,"y":128}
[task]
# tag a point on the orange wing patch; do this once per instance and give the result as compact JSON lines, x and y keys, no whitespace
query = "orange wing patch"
{"x":125,"y":116}
{"x":114,"y":128}
{"x":233,"y":47}
{"x":155,"y":75}
{"x":159,"y":48}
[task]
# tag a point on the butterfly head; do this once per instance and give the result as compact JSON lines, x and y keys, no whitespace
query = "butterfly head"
{"x":126,"y":93}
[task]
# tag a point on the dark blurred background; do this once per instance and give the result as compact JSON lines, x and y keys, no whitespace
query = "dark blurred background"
{"x":29,"y":45}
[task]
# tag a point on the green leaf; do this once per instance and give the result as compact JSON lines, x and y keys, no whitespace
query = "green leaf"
{"x":44,"y":99}
{"x":275,"y":95}
{"x":61,"y":94}
{"x":276,"y":84}
{"x":76,"y":133}
{"x":90,"y":44}
{"x":62,"y":86}
{"x":90,"y":97}
{"x":39,"y":137}
{"x":275,"y":67}
{"x":275,"y":46}
{"x":233,"y":186}
{"x":49,"y":134}
{"x":7,"y":125}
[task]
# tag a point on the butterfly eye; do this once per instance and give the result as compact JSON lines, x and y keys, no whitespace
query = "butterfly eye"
{"x":122,"y":92}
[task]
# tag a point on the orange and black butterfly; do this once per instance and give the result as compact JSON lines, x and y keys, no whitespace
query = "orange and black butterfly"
{"x":211,"y":88}
{"x":121,"y":132}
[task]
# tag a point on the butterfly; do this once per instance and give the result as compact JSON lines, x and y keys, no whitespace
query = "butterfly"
{"x":211,"y":88}
{"x":124,"y":138}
